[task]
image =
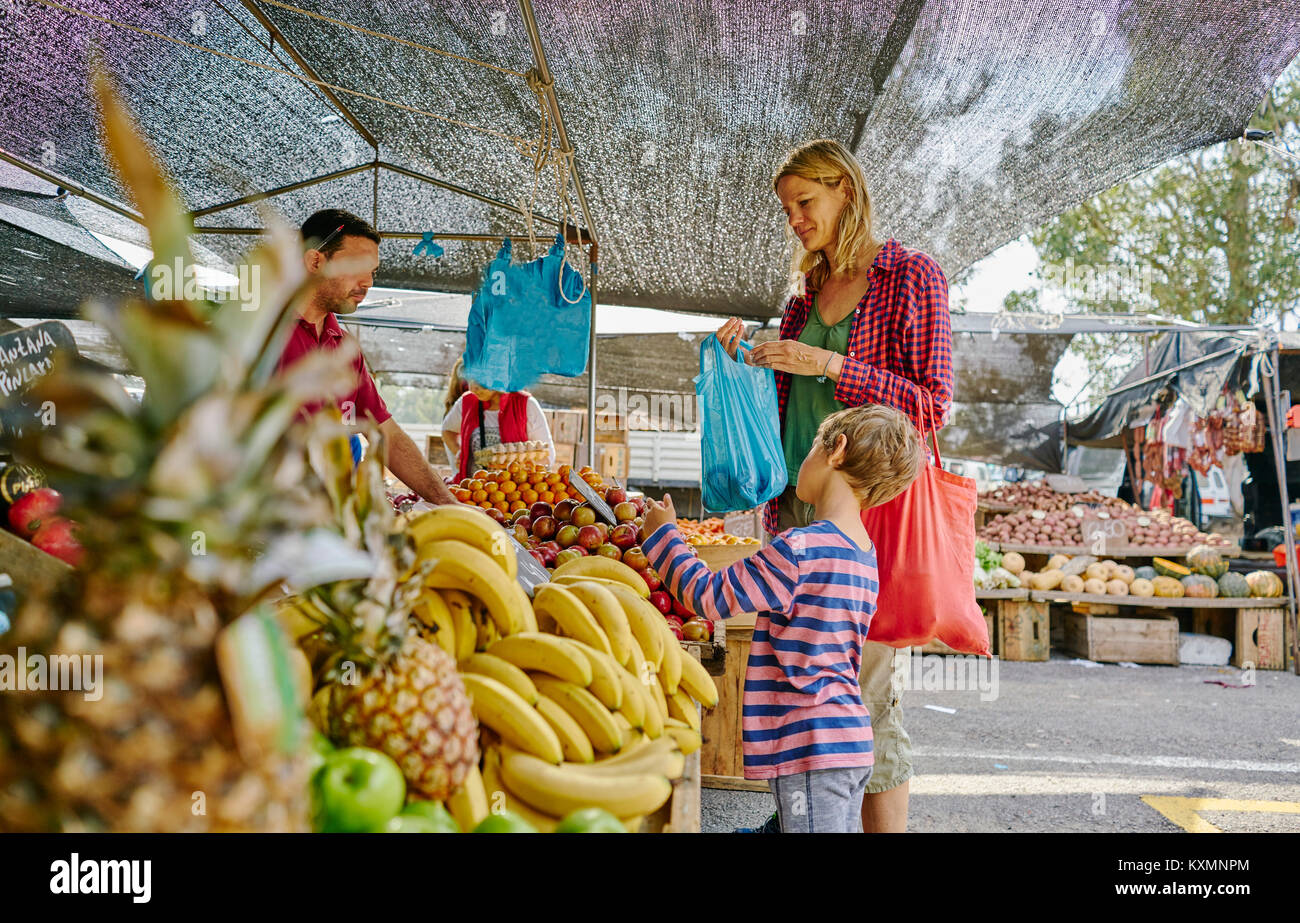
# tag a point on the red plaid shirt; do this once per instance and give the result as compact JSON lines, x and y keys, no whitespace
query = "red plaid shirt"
{"x":900,"y":343}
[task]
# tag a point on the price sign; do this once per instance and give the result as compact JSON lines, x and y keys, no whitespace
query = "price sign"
{"x":596,"y":500}
{"x":1103,"y":535}
{"x":26,"y":355}
{"x":531,"y":574}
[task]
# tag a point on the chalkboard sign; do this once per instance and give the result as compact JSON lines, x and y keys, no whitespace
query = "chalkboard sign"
{"x":1103,"y":535}
{"x":591,"y":496}
{"x":531,"y":574}
{"x":25,"y":356}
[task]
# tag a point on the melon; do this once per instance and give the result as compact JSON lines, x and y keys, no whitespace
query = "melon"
{"x":1013,"y":562}
{"x":1167,"y":587}
{"x":1072,"y":583}
{"x":1145,"y":573}
{"x":1097,"y":571}
{"x":1203,"y":559}
{"x":1095,"y":586}
{"x":1233,"y":584}
{"x":1141,"y":587}
{"x":1116,"y":587}
{"x":1264,"y":583}
{"x":1167,"y":568}
{"x":1124,"y":572}
{"x":1199,"y":586}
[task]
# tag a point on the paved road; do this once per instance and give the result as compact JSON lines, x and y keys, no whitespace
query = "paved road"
{"x":1061,"y":747}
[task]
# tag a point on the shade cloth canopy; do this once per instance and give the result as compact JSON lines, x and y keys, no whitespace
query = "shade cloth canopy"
{"x":974,"y":119}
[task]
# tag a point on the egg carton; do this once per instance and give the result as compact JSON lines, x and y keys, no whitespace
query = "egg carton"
{"x":508,"y":453}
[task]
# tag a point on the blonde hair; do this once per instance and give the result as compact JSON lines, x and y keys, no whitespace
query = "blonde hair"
{"x":456,"y":385}
{"x":828,"y":162}
{"x":882,"y":456}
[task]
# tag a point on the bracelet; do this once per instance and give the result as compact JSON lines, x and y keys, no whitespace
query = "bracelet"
{"x":821,"y":379}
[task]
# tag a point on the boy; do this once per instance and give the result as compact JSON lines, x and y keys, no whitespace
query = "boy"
{"x":805,"y":728}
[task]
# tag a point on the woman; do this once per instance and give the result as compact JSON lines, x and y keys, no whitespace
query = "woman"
{"x":482,"y":417}
{"x":868,"y":324}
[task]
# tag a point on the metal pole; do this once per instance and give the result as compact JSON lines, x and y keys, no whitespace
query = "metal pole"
{"x":74,"y":188}
{"x":1272,"y":398}
{"x":279,"y":190}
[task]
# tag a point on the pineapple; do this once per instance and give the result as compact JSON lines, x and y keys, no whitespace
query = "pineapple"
{"x":176,"y":497}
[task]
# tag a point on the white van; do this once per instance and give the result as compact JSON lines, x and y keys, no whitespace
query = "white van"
{"x":1213,"y":491}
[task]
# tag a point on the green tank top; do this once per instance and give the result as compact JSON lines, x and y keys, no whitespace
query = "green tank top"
{"x":812,"y":401}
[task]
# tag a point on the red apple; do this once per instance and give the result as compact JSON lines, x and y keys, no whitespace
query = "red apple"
{"x":523,"y":519}
{"x":33,"y":509}
{"x":544,"y":527}
{"x":567,"y":555}
{"x":539,"y":509}
{"x":676,"y":630}
{"x":553,"y":545}
{"x":661,"y":601}
{"x":625,"y":512}
{"x":623,"y":535}
{"x":679,"y":609}
{"x":58,"y":537}
{"x":673,"y":620}
{"x":696,"y":629}
{"x":567,"y":535}
{"x":651,"y":578}
{"x":610,"y":551}
{"x":548,"y":554}
{"x":497,"y":515}
{"x":604,"y":531}
{"x":639,"y":503}
{"x":589,"y":537}
{"x":564,"y":510}
{"x":635,"y":558}
{"x":583,"y":516}
{"x":538,"y":557}
{"x":615,"y":496}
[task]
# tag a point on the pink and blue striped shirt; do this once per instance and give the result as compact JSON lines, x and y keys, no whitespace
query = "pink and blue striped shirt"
{"x":814,"y":592}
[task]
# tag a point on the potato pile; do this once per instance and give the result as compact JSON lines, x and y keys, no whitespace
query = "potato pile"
{"x":1085,"y":574}
{"x":1036,"y":495}
{"x":1151,"y":529}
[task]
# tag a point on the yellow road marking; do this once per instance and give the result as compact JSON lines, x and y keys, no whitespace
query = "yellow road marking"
{"x":1185,"y":812}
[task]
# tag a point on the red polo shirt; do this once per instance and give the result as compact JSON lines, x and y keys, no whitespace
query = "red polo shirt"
{"x":365,"y":398}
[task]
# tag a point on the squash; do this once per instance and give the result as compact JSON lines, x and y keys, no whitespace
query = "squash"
{"x":1145,"y":573}
{"x":1203,"y":559}
{"x":1199,"y":586}
{"x":1072,"y":583}
{"x":1116,"y":587}
{"x":1167,"y":568}
{"x":1014,"y":562}
{"x":1265,"y":584}
{"x":1095,"y":586}
{"x":1123,"y":572}
{"x":1056,"y":562}
{"x":1077,"y":564}
{"x":1048,"y":580}
{"x":1097,"y":571}
{"x":1109,"y":568}
{"x":1141,"y":587}
{"x":1167,"y":587}
{"x":1233,"y":584}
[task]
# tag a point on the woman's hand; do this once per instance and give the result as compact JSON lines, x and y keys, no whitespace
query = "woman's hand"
{"x":657,"y":514}
{"x":729,"y":335}
{"x":796,"y":358}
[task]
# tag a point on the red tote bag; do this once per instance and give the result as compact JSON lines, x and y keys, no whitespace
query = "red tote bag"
{"x":925,"y":553}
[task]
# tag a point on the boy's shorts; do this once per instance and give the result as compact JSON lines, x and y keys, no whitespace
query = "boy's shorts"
{"x":821,"y":800}
{"x":880,"y":692}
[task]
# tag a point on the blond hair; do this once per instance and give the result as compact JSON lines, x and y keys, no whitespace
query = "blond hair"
{"x":828,"y":162}
{"x":882,"y":456}
{"x":456,"y":385}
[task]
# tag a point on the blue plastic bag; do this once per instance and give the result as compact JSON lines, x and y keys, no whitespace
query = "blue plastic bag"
{"x":525,"y":322}
{"x":740,"y":430}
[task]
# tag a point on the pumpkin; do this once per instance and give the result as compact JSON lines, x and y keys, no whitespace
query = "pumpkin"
{"x":1124,"y":572}
{"x":1233,"y":584}
{"x":1167,"y":568}
{"x":1264,"y":583}
{"x":1095,"y":586}
{"x":1141,"y":587}
{"x":1014,"y":562}
{"x":1072,"y":583}
{"x":1199,"y":586}
{"x":1167,"y":587}
{"x":1097,"y":571}
{"x":1116,"y":587}
{"x":1203,"y":559}
{"x":1047,"y":580}
{"x":1109,"y":568}
{"x":1145,"y":573}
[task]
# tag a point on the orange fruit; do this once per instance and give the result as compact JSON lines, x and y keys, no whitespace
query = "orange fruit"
{"x":503,"y":506}
{"x":485,"y":504}
{"x":528,"y":496}
{"x":564,"y":471}
{"x":475,"y":484}
{"x":480,"y":474}
{"x":479,"y":496}
{"x":508,"y":485}
{"x":496,"y":496}
{"x":464,"y":482}
{"x":513,"y":495}
{"x":546,"y":496}
{"x":518,"y":505}
{"x":463,"y":496}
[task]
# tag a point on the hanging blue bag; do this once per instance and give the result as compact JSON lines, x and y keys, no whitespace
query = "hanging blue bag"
{"x":740,"y":431}
{"x":527,"y":320}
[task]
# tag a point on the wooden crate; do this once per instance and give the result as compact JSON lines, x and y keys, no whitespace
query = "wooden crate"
{"x":566,"y":425}
{"x":612,"y":461}
{"x":721,"y":754}
{"x":1260,"y":639}
{"x":1152,"y":638}
{"x":566,"y":453}
{"x":681,"y":813}
{"x":1023,"y":630}
{"x":720,"y":557}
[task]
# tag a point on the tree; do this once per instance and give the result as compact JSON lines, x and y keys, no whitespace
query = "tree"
{"x":1210,"y":236}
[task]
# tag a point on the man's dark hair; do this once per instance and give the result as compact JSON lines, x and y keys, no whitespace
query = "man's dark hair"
{"x":325,"y":222}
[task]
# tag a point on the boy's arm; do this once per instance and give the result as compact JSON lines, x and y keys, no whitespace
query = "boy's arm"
{"x":764,"y":581}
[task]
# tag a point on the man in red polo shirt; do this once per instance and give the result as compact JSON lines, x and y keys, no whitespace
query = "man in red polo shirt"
{"x":342,"y":254}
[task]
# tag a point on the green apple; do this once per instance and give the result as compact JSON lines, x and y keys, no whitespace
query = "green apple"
{"x":357,"y":791}
{"x":590,"y":820}
{"x":434,"y":813}
{"x":505,"y":822}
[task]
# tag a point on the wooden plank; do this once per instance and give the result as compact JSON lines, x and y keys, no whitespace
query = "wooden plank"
{"x":1156,"y":602}
{"x":1114,"y":640}
{"x":1021,"y":593}
{"x":734,"y":784}
{"x":1132,"y":551}
{"x":1024,"y":631}
{"x":1260,"y":639}
{"x":721,"y":754}
{"x":30,"y":568}
{"x":684,"y":811}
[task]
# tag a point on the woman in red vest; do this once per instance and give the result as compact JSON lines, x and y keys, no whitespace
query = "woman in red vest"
{"x":482,"y":417}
